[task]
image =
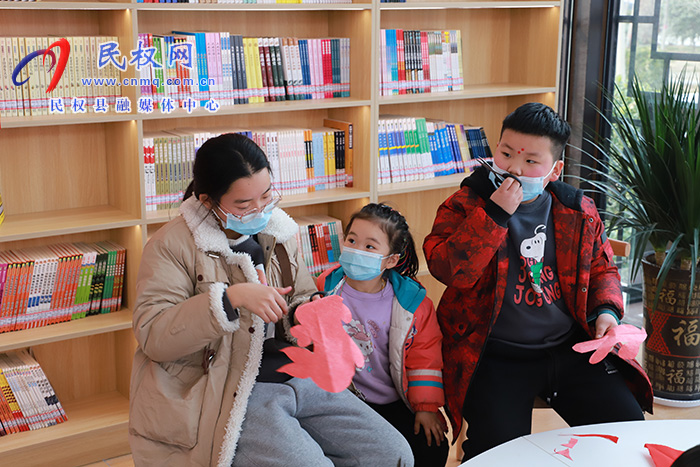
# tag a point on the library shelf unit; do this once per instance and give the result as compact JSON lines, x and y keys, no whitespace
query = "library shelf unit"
{"x":67,"y":178}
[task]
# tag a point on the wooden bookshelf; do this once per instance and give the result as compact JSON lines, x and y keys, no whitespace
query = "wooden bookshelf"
{"x":80,"y":177}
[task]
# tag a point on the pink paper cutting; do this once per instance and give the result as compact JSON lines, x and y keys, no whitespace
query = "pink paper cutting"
{"x":663,"y":456}
{"x":629,"y":336}
{"x":572,"y":442}
{"x":332,"y":363}
{"x":565,"y":453}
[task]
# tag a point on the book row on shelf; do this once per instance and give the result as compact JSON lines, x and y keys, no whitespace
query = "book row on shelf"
{"x":413,"y":61}
{"x":232,"y":69}
{"x":27,"y":399}
{"x":418,"y":148}
{"x":57,"y":283}
{"x":302,"y":159}
{"x":320,"y":239}
{"x":82,"y":78}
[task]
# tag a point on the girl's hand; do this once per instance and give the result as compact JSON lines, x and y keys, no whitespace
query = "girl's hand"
{"x":262,"y":300}
{"x":604,"y":323}
{"x":432,"y":426}
{"x":509,"y":195}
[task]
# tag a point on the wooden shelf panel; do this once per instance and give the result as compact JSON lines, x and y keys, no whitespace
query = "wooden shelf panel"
{"x":97,"y":428}
{"x":58,"y":5}
{"x":241,"y":109}
{"x":252,"y":6}
{"x":65,"y":119}
{"x":62,"y":222}
{"x":44,"y":5}
{"x":88,"y":326}
{"x":460,"y":4}
{"x":288,"y":201}
{"x":437,"y":183}
{"x":267,"y":107}
{"x":470,"y":92}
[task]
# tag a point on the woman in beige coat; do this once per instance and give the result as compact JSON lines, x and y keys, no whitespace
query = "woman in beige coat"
{"x":204,"y":385}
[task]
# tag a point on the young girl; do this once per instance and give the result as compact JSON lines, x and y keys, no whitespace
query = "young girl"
{"x":205,"y":388}
{"x":395,"y":326}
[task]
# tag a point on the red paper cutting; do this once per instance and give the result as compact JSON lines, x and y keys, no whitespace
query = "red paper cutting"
{"x":572,"y":442}
{"x":629,"y":336}
{"x":335,"y":355}
{"x":612,"y":438}
{"x":663,"y":456}
{"x":565,"y":453}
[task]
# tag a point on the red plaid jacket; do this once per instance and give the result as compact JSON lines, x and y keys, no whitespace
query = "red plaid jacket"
{"x":466,"y":251}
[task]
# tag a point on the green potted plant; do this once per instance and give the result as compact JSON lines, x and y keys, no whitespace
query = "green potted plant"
{"x":649,"y":170}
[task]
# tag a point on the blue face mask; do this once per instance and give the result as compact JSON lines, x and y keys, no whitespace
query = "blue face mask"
{"x":251,"y":227}
{"x":360,"y":265}
{"x":532,"y":186}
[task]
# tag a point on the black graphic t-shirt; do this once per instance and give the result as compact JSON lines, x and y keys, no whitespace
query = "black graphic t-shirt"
{"x":533,"y":314}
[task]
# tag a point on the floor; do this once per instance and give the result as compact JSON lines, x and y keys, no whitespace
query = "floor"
{"x":543,"y":419}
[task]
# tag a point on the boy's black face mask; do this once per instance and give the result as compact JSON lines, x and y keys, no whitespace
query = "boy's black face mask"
{"x":499,"y":178}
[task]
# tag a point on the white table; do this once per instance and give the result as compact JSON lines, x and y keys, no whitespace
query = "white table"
{"x":538,"y":450}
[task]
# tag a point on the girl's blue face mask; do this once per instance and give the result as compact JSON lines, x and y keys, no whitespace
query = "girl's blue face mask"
{"x":360,"y":265}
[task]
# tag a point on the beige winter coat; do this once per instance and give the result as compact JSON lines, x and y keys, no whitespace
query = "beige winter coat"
{"x":180,"y":415}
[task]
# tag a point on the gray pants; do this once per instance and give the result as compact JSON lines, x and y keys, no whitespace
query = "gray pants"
{"x":297,"y":424}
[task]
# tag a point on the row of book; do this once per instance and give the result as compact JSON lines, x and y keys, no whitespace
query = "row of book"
{"x":27,"y":399}
{"x":233,"y":69}
{"x":82,"y":78}
{"x":302,"y":159}
{"x":413,"y":148}
{"x":413,"y":62}
{"x":55,"y":283}
{"x":319,"y":238}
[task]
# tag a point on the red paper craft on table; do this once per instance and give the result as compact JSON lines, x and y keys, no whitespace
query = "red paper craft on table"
{"x":612,"y":438}
{"x":630,"y":337}
{"x":565,"y":453}
{"x":663,"y":456}
{"x":335,"y":355}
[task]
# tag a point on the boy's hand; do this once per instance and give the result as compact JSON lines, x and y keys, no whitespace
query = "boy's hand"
{"x":432,"y":426}
{"x":266,"y":302}
{"x":604,"y":323}
{"x":509,"y":195}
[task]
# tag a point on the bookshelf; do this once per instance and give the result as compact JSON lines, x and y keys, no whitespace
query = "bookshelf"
{"x":80,"y":177}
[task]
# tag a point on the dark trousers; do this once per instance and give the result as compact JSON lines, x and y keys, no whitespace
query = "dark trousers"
{"x":403,"y":419}
{"x":498,"y":406}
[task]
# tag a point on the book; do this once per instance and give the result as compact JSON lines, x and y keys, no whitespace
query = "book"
{"x":347,"y":148}
{"x":27,"y":399}
{"x":320,"y":241}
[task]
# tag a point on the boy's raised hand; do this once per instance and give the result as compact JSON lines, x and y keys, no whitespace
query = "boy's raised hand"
{"x":432,"y":424}
{"x":509,"y":195}
{"x":262,"y":300}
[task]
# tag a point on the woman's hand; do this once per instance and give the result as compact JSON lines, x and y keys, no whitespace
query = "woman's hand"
{"x":604,"y":323}
{"x":432,"y":426}
{"x":262,"y":300}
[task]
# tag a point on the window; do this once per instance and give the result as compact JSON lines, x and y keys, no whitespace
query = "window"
{"x":656,"y":40}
